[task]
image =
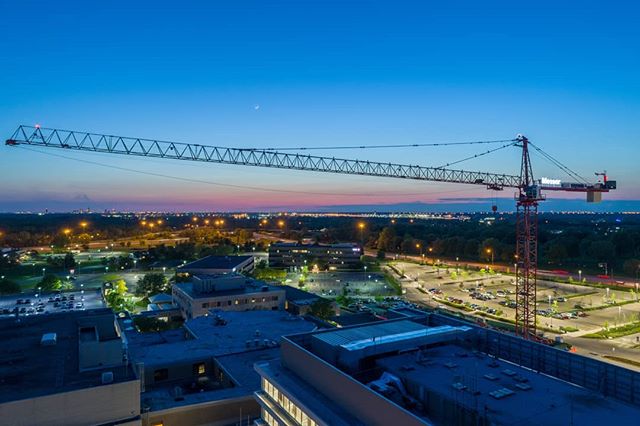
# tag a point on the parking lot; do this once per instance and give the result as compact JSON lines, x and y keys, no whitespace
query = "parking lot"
{"x":356,"y":283}
{"x":50,"y":303}
{"x":559,"y":305}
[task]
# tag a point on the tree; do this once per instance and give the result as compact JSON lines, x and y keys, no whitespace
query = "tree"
{"x":557,"y":253}
{"x":148,"y":324}
{"x":322,"y":308}
{"x":631,"y":267}
{"x":152,"y":283}
{"x":50,"y":282}
{"x":381,"y":255}
{"x":69,"y":261}
{"x":8,"y":286}
{"x":386,"y":239}
{"x":120,"y":287}
{"x":270,"y":274}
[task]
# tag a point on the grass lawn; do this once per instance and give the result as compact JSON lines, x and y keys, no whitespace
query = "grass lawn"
{"x":613,"y":332}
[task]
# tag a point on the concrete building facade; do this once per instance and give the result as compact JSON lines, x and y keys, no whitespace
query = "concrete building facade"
{"x":66,"y":369}
{"x":433,"y":370}
{"x":232,"y":292}
{"x":202,"y":374}
{"x":342,"y":256}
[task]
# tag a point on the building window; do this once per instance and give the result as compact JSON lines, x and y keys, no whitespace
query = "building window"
{"x":160,"y":375}
{"x":285,"y":403}
{"x":199,"y":369}
{"x":205,"y":305}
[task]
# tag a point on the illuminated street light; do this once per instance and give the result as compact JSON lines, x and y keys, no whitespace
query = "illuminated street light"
{"x":66,"y":231}
{"x":84,"y":224}
{"x":361,"y":226}
{"x":490,"y":251}
{"x":580,"y":275}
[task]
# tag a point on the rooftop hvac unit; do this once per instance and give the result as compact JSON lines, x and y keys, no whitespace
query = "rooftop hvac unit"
{"x":49,"y":339}
{"x":107,"y":377}
{"x":177,"y":394}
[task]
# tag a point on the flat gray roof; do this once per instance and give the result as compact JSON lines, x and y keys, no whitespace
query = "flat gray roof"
{"x":216,"y":262}
{"x":346,"y":336}
{"x":239,"y":367}
{"x":530,"y":398}
{"x":250,"y":286}
{"x":28,"y":369}
{"x":202,"y":338}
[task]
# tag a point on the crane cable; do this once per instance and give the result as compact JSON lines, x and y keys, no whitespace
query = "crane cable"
{"x":558,"y":164}
{"x":408,"y":145}
{"x":511,"y":143}
{"x":229,"y":185}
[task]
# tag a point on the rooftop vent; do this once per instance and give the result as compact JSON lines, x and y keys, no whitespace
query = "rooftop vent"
{"x":107,"y":377}
{"x":49,"y":339}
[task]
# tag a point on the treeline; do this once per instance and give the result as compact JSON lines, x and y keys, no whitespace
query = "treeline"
{"x":562,"y":245}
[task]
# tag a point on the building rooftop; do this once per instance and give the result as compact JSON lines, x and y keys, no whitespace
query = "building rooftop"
{"x":202,"y":337}
{"x":298,"y":296}
{"x":238,"y":367}
{"x":160,"y":298}
{"x":28,"y":369}
{"x":509,"y":393}
{"x":216,"y":262}
{"x":346,"y":337}
{"x":314,"y":244}
{"x":236,"y":284}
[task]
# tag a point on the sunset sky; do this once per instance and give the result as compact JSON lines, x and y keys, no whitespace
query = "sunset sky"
{"x":304,"y":74}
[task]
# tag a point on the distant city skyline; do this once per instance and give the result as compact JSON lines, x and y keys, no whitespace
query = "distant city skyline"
{"x":312,"y":74}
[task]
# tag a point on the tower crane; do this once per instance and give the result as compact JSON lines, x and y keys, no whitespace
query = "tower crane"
{"x":529,"y":191}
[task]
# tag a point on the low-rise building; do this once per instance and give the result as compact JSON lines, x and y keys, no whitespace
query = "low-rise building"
{"x":341,"y":256}
{"x":230,"y":292}
{"x":66,"y":369}
{"x":434,"y":370}
{"x":203,"y":372}
{"x":300,"y":302}
{"x":212,"y":265}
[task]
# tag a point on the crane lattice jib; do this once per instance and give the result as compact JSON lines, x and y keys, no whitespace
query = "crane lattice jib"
{"x":84,"y":141}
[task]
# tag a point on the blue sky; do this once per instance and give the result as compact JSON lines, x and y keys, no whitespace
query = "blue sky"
{"x":322,"y":73}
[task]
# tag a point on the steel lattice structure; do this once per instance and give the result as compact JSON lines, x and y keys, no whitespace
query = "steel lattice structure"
{"x":527,"y":199}
{"x":84,"y":141}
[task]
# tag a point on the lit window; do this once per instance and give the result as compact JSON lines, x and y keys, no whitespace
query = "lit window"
{"x":199,"y":369}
